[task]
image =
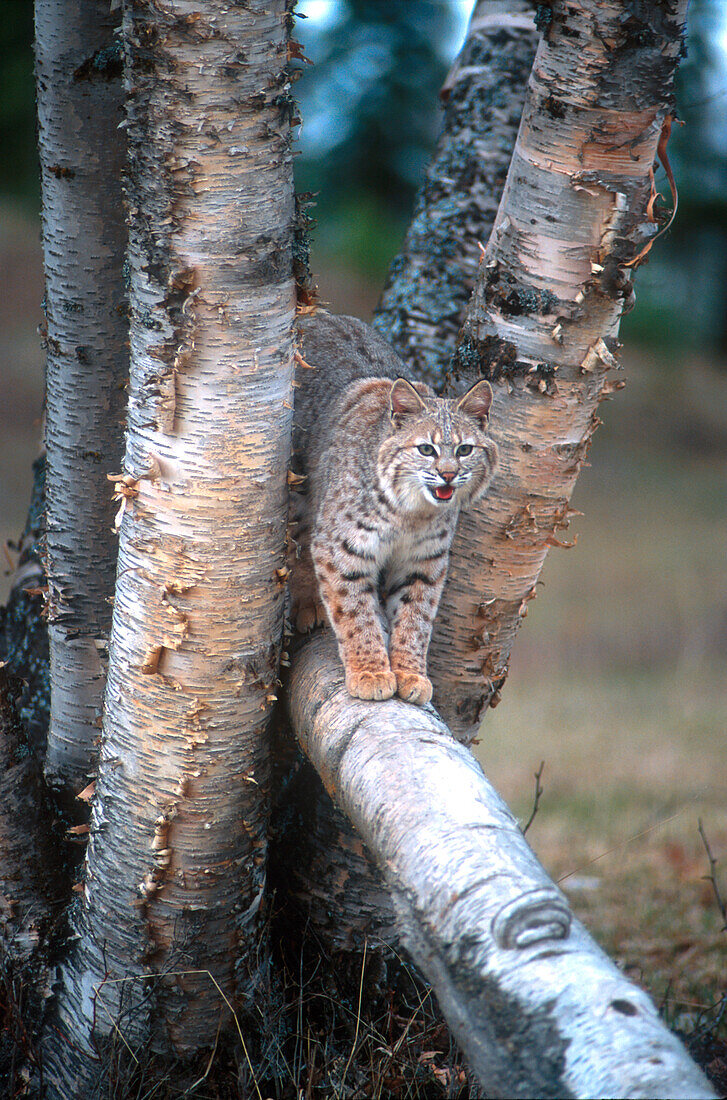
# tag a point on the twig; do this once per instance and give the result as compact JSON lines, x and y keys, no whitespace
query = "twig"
{"x":664,"y":1003}
{"x":358,"y":1016}
{"x":712,"y":876}
{"x":536,"y":800}
{"x":206,"y":1073}
{"x":173,"y":974}
{"x":622,"y":844}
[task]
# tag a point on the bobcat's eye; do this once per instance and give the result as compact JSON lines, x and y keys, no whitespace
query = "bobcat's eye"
{"x":465,"y":449}
{"x":427,"y":450}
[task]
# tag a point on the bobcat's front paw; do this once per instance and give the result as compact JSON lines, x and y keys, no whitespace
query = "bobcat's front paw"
{"x":413,"y":688}
{"x":307,"y":616}
{"x":371,"y":685}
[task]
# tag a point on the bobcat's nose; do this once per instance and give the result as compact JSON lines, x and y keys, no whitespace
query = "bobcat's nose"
{"x":447,"y":473}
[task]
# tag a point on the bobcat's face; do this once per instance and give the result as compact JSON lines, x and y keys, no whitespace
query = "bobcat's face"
{"x":439,"y":455}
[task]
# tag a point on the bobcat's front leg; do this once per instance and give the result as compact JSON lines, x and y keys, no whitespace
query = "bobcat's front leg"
{"x":411,"y":607}
{"x":347,"y":584}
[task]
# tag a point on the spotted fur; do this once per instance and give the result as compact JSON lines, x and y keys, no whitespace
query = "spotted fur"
{"x":388,"y":467}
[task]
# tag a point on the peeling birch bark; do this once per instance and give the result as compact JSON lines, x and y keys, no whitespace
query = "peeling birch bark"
{"x":544,"y":317}
{"x":82,"y":154}
{"x":431,"y":279}
{"x":534,"y":1003}
{"x":175,"y":868}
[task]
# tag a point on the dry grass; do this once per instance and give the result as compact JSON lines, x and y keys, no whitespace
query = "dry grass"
{"x":626,"y":782}
{"x":619,"y":683}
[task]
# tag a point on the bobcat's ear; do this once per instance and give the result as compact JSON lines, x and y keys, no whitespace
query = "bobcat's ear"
{"x":476,"y":402}
{"x":404,"y":401}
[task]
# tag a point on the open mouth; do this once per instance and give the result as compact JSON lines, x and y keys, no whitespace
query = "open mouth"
{"x":443,"y":492}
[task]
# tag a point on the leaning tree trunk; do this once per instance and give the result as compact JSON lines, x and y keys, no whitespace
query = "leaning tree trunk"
{"x":175,"y":867}
{"x":431,"y":279}
{"x":536,"y":1006}
{"x":82,"y":153}
{"x":576,"y":214}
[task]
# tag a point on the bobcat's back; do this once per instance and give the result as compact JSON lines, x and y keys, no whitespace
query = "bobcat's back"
{"x":387,"y":466}
{"x":339,"y":350}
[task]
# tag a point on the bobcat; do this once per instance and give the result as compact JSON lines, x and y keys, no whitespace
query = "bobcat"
{"x":388,"y":466}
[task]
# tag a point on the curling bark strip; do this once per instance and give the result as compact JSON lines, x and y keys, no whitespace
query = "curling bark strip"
{"x":544,"y":317}
{"x":82,"y":153}
{"x":432,"y":276}
{"x":534,"y":1003}
{"x":176,"y":859}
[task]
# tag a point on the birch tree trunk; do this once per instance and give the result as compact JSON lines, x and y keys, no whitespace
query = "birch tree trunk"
{"x":431,"y":279}
{"x":175,"y":868}
{"x":82,"y":153}
{"x":557,"y":1019}
{"x":535,"y":1005}
{"x":542,"y":326}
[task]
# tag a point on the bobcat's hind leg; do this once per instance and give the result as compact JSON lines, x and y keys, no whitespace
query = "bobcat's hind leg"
{"x":306,"y":607}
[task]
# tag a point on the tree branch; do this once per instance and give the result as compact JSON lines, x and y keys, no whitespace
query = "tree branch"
{"x":431,"y":278}
{"x":536,"y":1006}
{"x":82,"y":153}
{"x":575,"y":214}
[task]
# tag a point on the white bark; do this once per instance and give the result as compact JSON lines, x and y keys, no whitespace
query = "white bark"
{"x":542,"y":324}
{"x":82,"y":154}
{"x":175,"y":869}
{"x":432,"y":276}
{"x":536,"y":1006}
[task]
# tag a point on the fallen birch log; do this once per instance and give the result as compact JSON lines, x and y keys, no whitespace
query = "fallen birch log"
{"x":537,"y":1008}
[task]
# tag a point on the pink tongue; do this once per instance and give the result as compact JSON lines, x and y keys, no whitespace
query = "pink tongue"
{"x":444,"y":493}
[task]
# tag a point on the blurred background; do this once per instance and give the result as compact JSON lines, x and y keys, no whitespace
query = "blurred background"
{"x":618,"y":679}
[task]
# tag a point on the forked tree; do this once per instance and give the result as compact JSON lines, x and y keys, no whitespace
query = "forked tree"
{"x":166,"y":942}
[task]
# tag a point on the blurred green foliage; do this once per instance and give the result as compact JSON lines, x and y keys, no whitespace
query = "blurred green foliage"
{"x":371,"y":115}
{"x":682,"y":292}
{"x":359,"y":230}
{"x":370,"y":103}
{"x":19,"y":172}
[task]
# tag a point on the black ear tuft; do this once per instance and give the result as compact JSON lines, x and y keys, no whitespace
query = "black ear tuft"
{"x":405,"y":401}
{"x":476,"y":402}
